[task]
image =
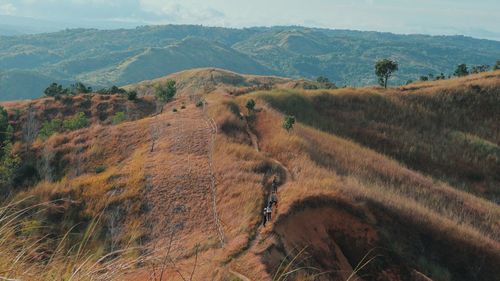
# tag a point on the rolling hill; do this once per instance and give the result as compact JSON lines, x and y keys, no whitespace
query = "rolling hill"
{"x":373,"y":184}
{"x":101,"y":58}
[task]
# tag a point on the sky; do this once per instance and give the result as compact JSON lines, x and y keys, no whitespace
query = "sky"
{"x":477,"y":18}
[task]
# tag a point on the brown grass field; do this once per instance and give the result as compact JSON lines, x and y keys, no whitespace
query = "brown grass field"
{"x":396,"y":184}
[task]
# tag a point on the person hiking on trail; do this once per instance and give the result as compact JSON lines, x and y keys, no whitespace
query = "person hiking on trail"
{"x":269,"y":212}
{"x":265,"y":216}
{"x":275,"y":184}
{"x":273,"y":200}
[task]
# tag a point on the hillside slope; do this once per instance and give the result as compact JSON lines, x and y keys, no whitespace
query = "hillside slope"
{"x":186,"y":54}
{"x":182,"y":192}
{"x":202,"y":81}
{"x":102,"y":58}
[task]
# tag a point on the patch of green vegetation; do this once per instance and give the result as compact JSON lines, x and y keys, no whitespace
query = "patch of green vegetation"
{"x":78,"y":121}
{"x":49,"y":128}
{"x":112,"y":90}
{"x":166,"y":92}
{"x":118,"y":118}
{"x":288,"y":122}
{"x":100,"y":169}
{"x":250,"y":105}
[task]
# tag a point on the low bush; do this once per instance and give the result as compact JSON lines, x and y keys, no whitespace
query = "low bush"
{"x":132,"y":95}
{"x":49,"y":128}
{"x":118,"y":118}
{"x":76,"y":122}
{"x":100,"y":169}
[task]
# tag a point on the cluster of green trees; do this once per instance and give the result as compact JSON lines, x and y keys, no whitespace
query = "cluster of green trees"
{"x":131,"y":95}
{"x":56,"y":125}
{"x":385,"y":68}
{"x":9,"y":160}
{"x":57,"y":90}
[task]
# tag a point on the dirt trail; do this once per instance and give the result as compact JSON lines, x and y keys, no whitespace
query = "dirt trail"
{"x":260,"y":230}
{"x":180,"y":181}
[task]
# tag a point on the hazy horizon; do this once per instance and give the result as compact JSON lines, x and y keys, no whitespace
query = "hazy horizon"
{"x":445,"y":17}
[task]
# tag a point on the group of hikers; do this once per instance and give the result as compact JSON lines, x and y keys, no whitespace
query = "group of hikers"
{"x":272,"y":202}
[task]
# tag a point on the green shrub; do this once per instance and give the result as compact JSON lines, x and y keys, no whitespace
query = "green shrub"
{"x":325,"y":83}
{"x":111,"y":91}
{"x":4,"y":123}
{"x":250,"y":105}
{"x":49,"y":128}
{"x":100,"y":169}
{"x":166,"y":92}
{"x":118,"y":118}
{"x":56,"y":90}
{"x":461,"y":70}
{"x":80,"y":88}
{"x":233,"y":107}
{"x":199,"y":103}
{"x":174,"y":110}
{"x":132,"y":95}
{"x":76,"y":122}
{"x":9,"y":164}
{"x":497,"y":65}
{"x":288,"y":122}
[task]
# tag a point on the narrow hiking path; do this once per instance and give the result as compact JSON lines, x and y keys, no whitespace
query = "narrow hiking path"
{"x":261,"y":230}
{"x":213,"y":181}
{"x":181,"y":182}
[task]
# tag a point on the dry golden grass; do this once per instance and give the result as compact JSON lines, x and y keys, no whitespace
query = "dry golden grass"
{"x":448,"y":132}
{"x":331,"y":163}
{"x":28,"y":256}
{"x":202,"y":81}
{"x":343,"y":184}
{"x":327,"y":166}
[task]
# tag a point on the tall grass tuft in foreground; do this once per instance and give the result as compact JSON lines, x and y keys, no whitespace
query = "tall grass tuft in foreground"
{"x":26,"y":256}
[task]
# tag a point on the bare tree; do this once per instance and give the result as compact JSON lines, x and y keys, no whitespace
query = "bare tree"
{"x":30,"y":127}
{"x":47,"y":156}
{"x":155,"y":133}
{"x":114,"y":227}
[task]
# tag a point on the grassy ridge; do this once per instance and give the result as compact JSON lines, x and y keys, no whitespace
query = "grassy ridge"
{"x":351,"y":181}
{"x":449,"y":133}
{"x":405,"y":207}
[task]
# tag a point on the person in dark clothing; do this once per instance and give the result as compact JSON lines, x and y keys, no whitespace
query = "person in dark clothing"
{"x":273,"y":200}
{"x":275,"y":184}
{"x":269,"y":212}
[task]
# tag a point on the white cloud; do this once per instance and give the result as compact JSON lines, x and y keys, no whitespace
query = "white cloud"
{"x":402,"y":16}
{"x":7,"y":9}
{"x":181,"y":11}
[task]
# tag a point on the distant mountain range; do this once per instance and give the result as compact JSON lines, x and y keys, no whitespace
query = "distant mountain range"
{"x":101,"y":58}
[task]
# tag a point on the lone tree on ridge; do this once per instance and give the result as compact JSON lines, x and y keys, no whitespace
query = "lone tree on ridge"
{"x":384,"y":70}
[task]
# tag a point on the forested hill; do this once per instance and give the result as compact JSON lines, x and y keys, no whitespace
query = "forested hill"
{"x":106,"y":57}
